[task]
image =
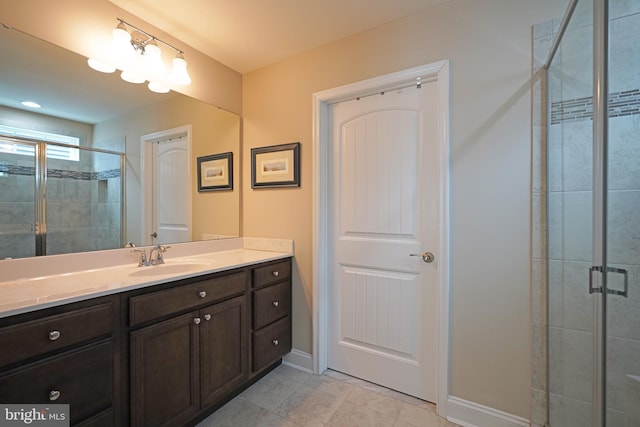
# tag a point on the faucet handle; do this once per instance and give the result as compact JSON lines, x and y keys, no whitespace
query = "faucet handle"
{"x":142,"y":259}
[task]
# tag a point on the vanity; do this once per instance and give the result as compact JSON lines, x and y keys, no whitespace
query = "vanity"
{"x":146,"y":347}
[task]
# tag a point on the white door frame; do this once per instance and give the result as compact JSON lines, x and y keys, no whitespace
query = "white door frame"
{"x":438,"y":71}
{"x":146,"y":154}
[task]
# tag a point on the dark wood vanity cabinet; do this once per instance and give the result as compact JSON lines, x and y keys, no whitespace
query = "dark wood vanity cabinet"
{"x":64,"y":355}
{"x":193,"y":354}
{"x":164,"y":355}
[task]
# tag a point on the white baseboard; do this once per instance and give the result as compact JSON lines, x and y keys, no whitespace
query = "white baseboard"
{"x":299,"y":360}
{"x":470,"y":414}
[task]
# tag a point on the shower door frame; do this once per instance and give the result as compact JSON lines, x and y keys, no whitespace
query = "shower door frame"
{"x":40,"y":202}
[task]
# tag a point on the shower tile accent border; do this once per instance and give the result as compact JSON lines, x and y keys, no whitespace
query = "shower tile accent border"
{"x":621,"y":104}
{"x":60,"y":173}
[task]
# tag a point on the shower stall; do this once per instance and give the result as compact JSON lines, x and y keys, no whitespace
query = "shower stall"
{"x":57,"y":198}
{"x":586,"y":209}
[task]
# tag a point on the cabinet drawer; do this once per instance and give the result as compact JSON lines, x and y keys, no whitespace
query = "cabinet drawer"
{"x":51,"y":333}
{"x":156,"y":304}
{"x":271,"y":343}
{"x":271,"y":303}
{"x":83,"y":378}
{"x":271,"y":273}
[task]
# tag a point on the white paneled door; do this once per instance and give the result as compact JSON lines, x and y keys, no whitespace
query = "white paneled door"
{"x":171,"y":191}
{"x":385,"y":238}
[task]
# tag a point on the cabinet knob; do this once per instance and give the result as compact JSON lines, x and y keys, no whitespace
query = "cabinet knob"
{"x":275,"y":342}
{"x":275,"y":273}
{"x":202,"y":294}
{"x":54,"y":395}
{"x":275,"y":303}
{"x":207,"y":317}
{"x":197,"y":320}
{"x":54,"y":335}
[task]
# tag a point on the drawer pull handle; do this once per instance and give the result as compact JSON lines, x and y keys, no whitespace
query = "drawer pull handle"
{"x":275,"y":303}
{"x":54,"y":395}
{"x":197,"y":320}
{"x":202,"y":294}
{"x":275,"y":273}
{"x":275,"y":342}
{"x":54,"y":335}
{"x":207,"y":317}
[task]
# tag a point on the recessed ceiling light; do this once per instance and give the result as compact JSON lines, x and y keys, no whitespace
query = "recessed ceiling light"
{"x":31,"y":104}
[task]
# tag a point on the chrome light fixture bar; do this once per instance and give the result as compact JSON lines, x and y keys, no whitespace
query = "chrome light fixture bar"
{"x":137,"y":54}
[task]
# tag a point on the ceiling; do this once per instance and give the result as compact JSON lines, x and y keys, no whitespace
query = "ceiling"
{"x":247,"y":35}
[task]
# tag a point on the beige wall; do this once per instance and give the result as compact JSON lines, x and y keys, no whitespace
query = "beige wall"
{"x":214,"y":131}
{"x":81,"y":25}
{"x":488,"y":44}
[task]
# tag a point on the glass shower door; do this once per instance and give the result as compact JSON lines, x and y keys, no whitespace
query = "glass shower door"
{"x":17,"y":199}
{"x":83,"y":201}
{"x":56,"y":198}
{"x":572,"y":309}
{"x":593,"y":218}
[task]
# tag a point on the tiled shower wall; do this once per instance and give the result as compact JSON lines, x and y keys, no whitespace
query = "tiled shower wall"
{"x":563,"y":185}
{"x":83,"y":204}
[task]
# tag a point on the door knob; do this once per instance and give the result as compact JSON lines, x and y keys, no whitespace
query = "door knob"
{"x":426,"y":256}
{"x":154,"y":235}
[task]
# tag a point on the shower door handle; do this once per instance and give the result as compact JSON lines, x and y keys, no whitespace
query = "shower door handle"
{"x":625,"y":275}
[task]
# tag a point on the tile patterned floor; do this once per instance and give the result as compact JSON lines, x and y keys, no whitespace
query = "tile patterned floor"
{"x":288,"y":397}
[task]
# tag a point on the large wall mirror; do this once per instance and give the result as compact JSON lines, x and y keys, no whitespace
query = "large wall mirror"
{"x":107,"y":116}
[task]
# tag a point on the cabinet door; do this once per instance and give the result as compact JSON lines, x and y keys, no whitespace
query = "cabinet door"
{"x":224,"y":343}
{"x":164,"y":372}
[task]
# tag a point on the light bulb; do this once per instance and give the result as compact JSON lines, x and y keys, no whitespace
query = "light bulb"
{"x":157,"y":87}
{"x":179,"y":74}
{"x":131,"y":77}
{"x":100,"y":66}
{"x":121,"y":47}
{"x":153,"y":59}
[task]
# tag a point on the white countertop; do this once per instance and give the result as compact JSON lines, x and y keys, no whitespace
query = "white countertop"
{"x":33,"y":292}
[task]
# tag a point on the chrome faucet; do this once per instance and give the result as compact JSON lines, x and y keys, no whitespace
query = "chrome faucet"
{"x":156,"y":255}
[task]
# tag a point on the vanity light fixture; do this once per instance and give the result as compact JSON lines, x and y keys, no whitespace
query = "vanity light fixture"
{"x":138,"y":55}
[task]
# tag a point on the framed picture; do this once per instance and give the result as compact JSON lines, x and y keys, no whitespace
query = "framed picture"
{"x":215,"y":172}
{"x":276,"y":166}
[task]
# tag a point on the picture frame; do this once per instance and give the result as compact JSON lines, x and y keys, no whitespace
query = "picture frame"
{"x":215,"y":172}
{"x":275,"y":166}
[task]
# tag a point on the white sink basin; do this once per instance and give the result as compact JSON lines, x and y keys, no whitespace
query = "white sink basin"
{"x":162,"y":269}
